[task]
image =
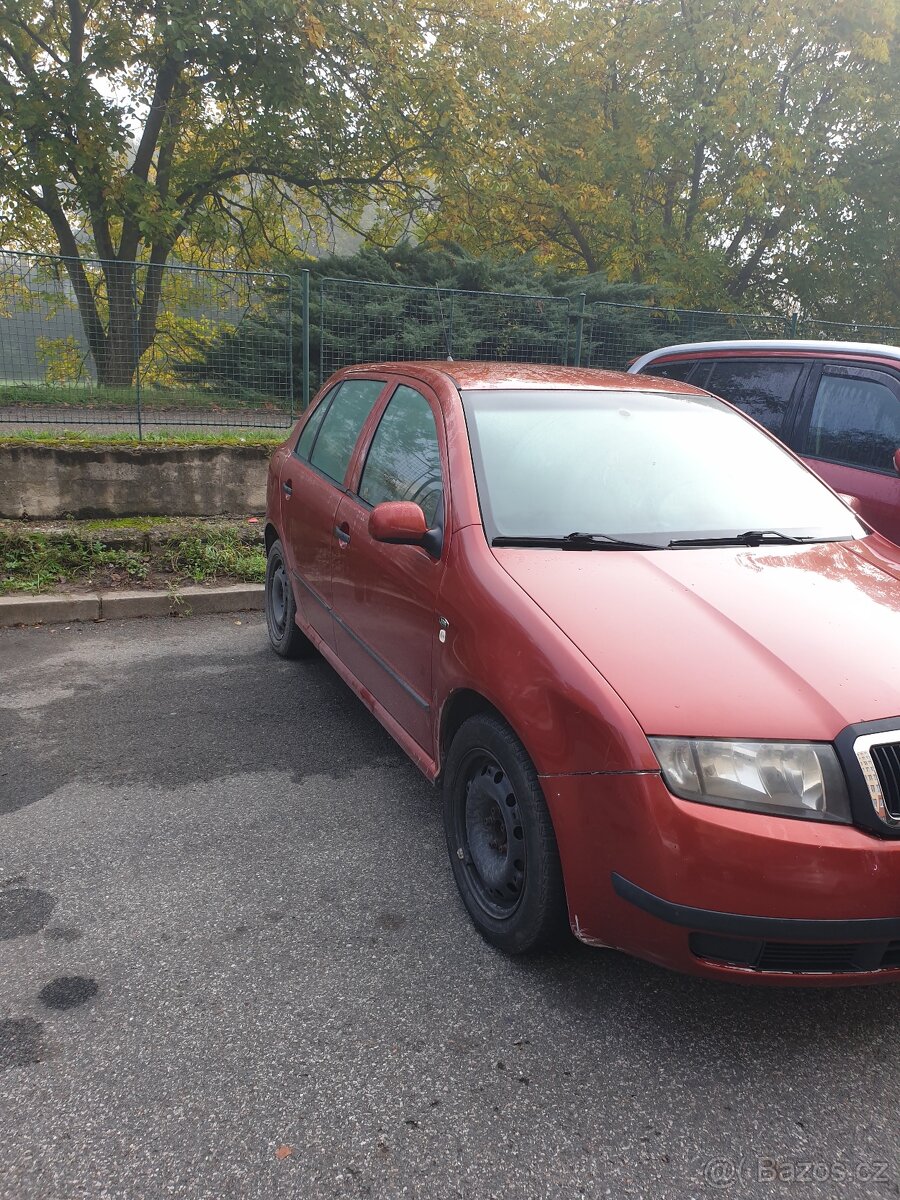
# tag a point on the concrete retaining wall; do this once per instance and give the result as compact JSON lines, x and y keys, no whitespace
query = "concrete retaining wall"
{"x":192,"y":481}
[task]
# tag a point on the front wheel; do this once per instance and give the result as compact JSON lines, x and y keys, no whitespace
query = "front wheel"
{"x":502,"y":846}
{"x":281,"y":609}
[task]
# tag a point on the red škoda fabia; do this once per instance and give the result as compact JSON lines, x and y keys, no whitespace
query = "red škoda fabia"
{"x":651,"y":659}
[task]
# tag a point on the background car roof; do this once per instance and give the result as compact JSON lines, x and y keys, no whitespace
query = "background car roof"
{"x":486,"y":376}
{"x":782,"y":345}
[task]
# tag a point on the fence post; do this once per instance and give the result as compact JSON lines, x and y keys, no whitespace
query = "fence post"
{"x":579,"y":326}
{"x":791,"y":325}
{"x":321,"y":331}
{"x":304,"y":286}
{"x":136,"y":335}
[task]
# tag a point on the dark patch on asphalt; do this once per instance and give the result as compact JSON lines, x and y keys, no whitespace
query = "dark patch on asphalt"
{"x":24,"y":911}
{"x":165,"y":694}
{"x":62,"y":933}
{"x":391,"y":920}
{"x":68,"y":991}
{"x":21,"y":1042}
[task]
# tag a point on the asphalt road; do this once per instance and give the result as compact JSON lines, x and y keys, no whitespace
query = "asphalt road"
{"x":233,"y":964}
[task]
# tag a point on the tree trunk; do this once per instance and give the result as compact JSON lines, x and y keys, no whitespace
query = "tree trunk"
{"x":114,"y":346}
{"x":121,"y":333}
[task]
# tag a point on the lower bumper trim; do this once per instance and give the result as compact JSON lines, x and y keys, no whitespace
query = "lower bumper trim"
{"x":709,"y":920}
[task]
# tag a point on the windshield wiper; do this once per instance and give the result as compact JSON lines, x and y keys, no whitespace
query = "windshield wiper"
{"x":579,"y":541}
{"x":752,"y":537}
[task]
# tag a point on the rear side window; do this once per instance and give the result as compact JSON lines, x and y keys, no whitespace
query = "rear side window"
{"x":854,"y":421}
{"x":341,"y":425}
{"x":404,"y":460}
{"x":760,"y":387}
{"x":671,"y":370}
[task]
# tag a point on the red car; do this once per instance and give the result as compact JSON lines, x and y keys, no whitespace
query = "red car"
{"x":836,"y":404}
{"x":662,"y":701}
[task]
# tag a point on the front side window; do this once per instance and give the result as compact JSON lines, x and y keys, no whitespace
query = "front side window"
{"x":648,"y":466}
{"x":404,"y":460}
{"x":854,"y":421}
{"x":761,"y":388}
{"x":311,"y":428}
{"x":341,"y":425}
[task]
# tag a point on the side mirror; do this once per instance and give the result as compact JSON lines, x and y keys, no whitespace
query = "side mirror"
{"x":897,"y":461}
{"x":399,"y":522}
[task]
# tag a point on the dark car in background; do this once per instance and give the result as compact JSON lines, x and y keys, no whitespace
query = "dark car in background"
{"x":836,"y":404}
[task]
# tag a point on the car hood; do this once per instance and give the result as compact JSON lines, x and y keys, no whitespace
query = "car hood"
{"x":771,"y":642}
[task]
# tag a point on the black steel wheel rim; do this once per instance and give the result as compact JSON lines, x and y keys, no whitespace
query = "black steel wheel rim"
{"x":278,"y":598}
{"x":490,"y":834}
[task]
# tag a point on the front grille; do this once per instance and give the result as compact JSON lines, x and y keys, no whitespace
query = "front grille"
{"x":878,"y":759}
{"x":796,"y":958}
{"x":803,"y":960}
{"x":886,"y":760}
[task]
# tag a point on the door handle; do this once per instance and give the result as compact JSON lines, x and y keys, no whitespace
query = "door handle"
{"x":342,"y":535}
{"x":287,"y":487}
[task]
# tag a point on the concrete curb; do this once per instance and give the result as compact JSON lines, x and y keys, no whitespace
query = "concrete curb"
{"x":109,"y":606}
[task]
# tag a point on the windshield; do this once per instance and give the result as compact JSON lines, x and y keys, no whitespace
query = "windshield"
{"x":640,"y":466}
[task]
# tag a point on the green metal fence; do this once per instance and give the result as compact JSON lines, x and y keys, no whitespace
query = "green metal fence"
{"x":613,"y":335}
{"x":378,"y":322}
{"x":92,"y":343}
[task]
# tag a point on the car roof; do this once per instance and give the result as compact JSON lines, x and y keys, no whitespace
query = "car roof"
{"x":486,"y":376}
{"x":782,"y":345}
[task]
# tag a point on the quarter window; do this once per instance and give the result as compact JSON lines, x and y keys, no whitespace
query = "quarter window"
{"x":761,"y":388}
{"x":341,"y":425}
{"x":854,"y":421}
{"x":404,"y":461}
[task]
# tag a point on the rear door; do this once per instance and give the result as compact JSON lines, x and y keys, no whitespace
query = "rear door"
{"x":385,"y":596}
{"x":848,"y":433}
{"x":312,"y":485}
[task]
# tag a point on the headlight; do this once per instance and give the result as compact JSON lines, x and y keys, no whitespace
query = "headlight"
{"x":785,"y":779}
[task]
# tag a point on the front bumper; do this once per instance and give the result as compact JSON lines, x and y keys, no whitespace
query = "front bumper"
{"x":724,"y":893}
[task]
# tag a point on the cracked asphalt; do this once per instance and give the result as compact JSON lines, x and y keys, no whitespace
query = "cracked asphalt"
{"x":233,"y":964}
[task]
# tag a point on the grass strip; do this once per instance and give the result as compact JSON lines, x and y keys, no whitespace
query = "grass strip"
{"x":63,"y":438}
{"x":38,"y":561}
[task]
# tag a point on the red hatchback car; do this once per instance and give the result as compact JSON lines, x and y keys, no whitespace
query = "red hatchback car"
{"x":662,"y":701}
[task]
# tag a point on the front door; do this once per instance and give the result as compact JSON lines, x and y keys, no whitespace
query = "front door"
{"x":849,"y":434}
{"x":385,"y":596}
{"x":312,"y":484}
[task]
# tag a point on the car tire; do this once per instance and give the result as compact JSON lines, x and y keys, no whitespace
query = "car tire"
{"x":500,"y":837}
{"x":281,"y":609}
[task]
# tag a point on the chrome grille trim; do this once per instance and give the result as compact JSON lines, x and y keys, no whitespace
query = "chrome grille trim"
{"x":862,"y":748}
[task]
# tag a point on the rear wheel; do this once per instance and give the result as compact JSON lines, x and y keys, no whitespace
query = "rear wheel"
{"x":501,"y":841}
{"x":281,"y":609}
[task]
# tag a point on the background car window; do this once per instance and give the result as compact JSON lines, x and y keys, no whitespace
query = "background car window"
{"x":404,"y":461}
{"x":762,"y":389}
{"x":311,"y":428}
{"x":671,"y":370}
{"x":854,"y":421}
{"x":341,"y":425}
